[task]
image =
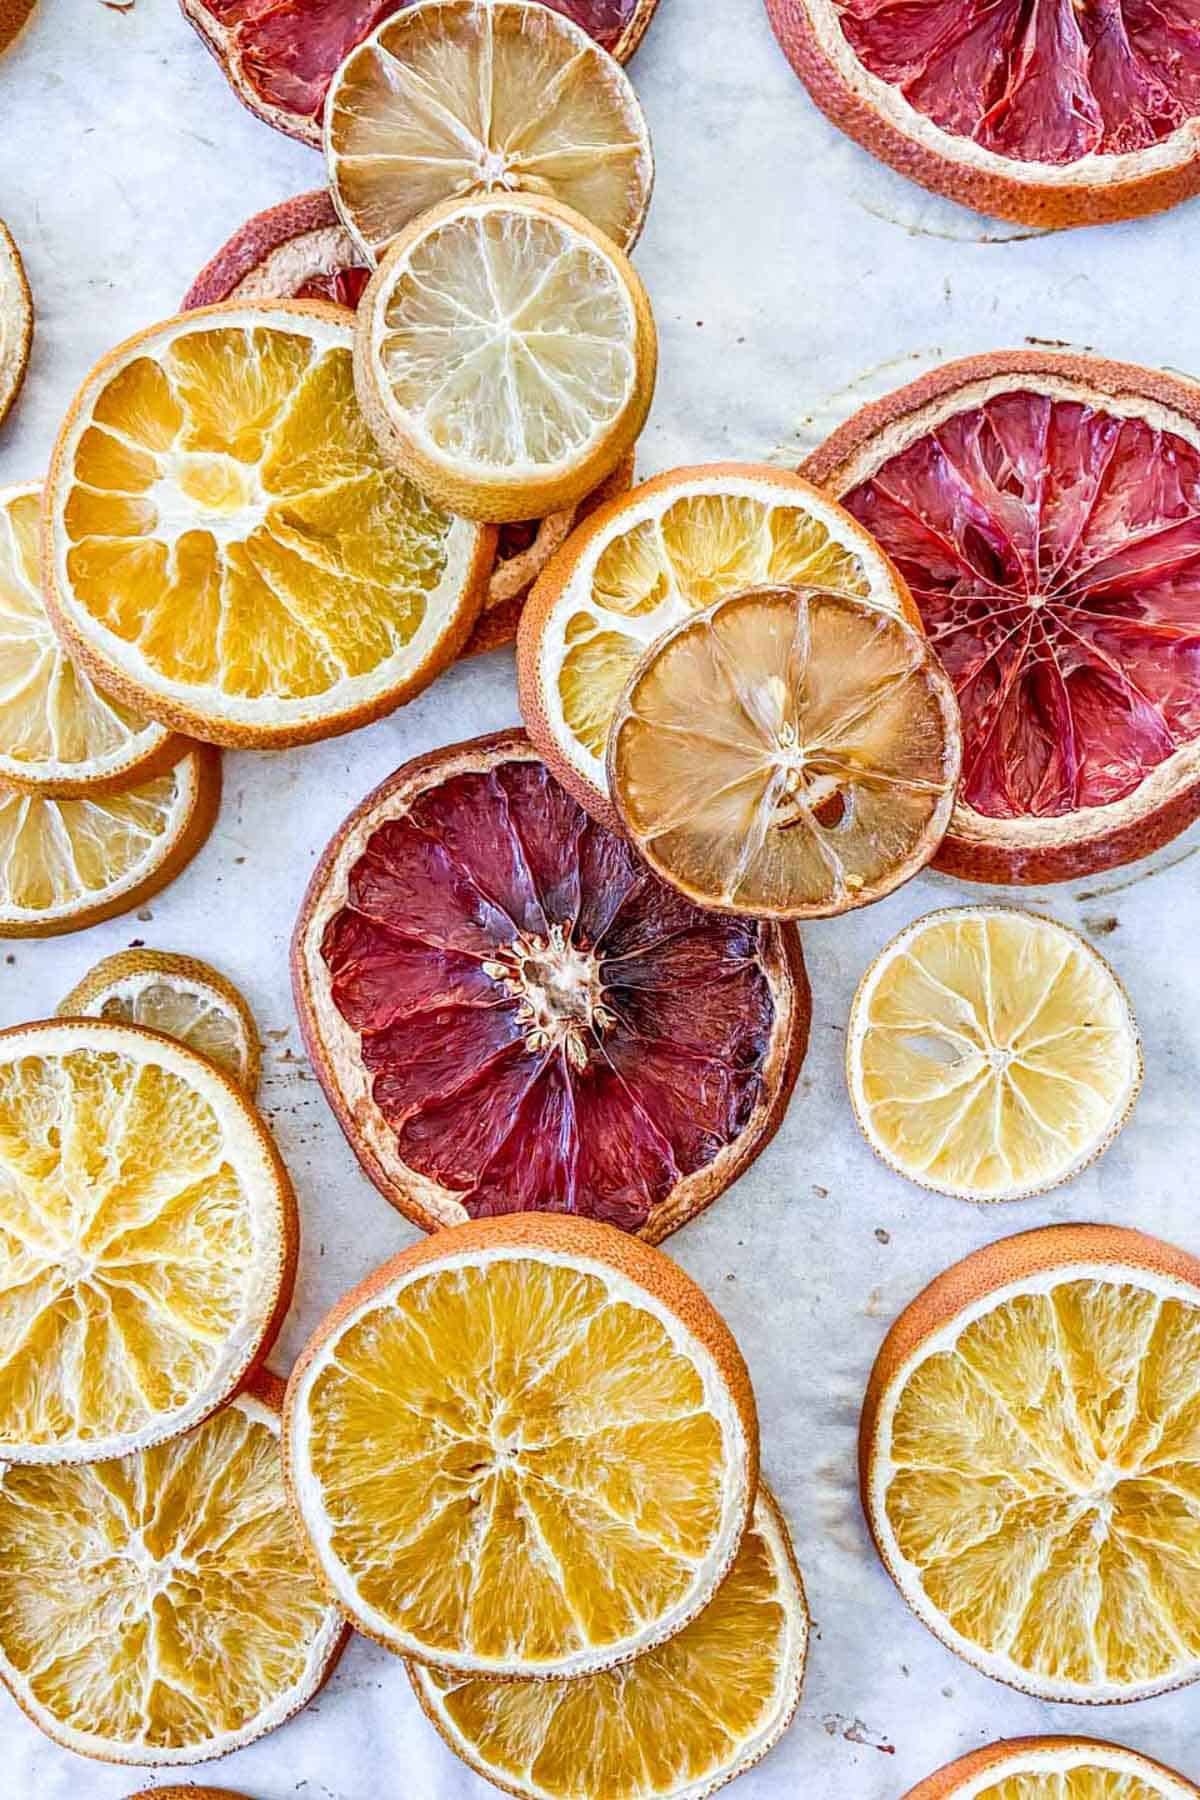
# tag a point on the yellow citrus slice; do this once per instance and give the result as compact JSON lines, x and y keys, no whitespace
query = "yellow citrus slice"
{"x":58,"y":733}
{"x":147,"y":1240}
{"x":1054,"y":1768}
{"x":524,"y":1447}
{"x":180,"y":996}
{"x":640,"y":565}
{"x":676,"y":1724}
{"x":458,"y":97}
{"x":991,"y":1054}
{"x":505,"y":355}
{"x":228,"y":551}
{"x":787,"y":753}
{"x":158,"y":1607}
{"x":1030,"y":1457}
{"x":16,"y":302}
{"x":69,"y":863}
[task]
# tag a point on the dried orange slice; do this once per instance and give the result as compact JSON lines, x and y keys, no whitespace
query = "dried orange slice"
{"x":672,"y":546}
{"x":1052,"y":115}
{"x":458,"y":97}
{"x":128,"y":1319}
{"x":505,"y":355}
{"x":1028,"y":1455}
{"x":16,"y":310}
{"x":787,"y":753}
{"x":1054,"y":1768}
{"x":526,"y":1447}
{"x":69,"y":863}
{"x":228,"y":551}
{"x":677,"y":1723}
{"x":179,"y":996}
{"x":158,"y":1608}
{"x":58,"y":733}
{"x":991,"y":1054}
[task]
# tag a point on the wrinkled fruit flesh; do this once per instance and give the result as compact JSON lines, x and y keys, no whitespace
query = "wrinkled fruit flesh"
{"x":1052,"y":548}
{"x":1043,"y":1486}
{"x":1083,"y":1781}
{"x":690,"y":1715}
{"x":787,"y":752}
{"x":1049,"y":84}
{"x":159,"y":1607}
{"x":298,"y":250}
{"x":991,"y":1054}
{"x":182,"y":998}
{"x":544,"y":1025}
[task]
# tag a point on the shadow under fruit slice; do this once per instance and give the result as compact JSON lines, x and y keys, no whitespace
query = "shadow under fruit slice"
{"x":675,"y":1724}
{"x":280,"y":58}
{"x":1028,"y":1462}
{"x":1051,"y":115}
{"x":1054,"y":1768}
{"x":159,"y":1608}
{"x":524,"y":1447}
{"x":509,"y":1013}
{"x":1045,"y":512}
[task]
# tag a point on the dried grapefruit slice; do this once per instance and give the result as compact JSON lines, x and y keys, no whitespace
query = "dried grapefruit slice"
{"x":1029,"y":1462}
{"x":1045,"y":511}
{"x":16,"y":314}
{"x":509,"y":1013}
{"x":1055,"y":114}
{"x":672,"y":546}
{"x":991,"y":1054}
{"x":1054,"y":1768}
{"x":457,"y":97}
{"x":158,"y":1608}
{"x":281,"y":58}
{"x":227,"y":549}
{"x":676,"y":1724}
{"x":505,"y":355}
{"x":179,"y":996}
{"x":525,"y":1447}
{"x":787,"y":753}
{"x":147,"y":1240}
{"x":69,"y":863}
{"x":58,"y":734}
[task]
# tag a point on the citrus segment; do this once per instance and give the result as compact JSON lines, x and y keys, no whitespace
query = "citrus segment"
{"x":457,"y":97}
{"x":158,"y":1608}
{"x":177,"y":995}
{"x":1054,"y":1768}
{"x":1028,"y":1442}
{"x":991,"y":1054}
{"x":525,"y":1447}
{"x":787,"y":753}
{"x":673,"y":545}
{"x":16,"y":310}
{"x":147,"y":1240}
{"x":505,"y":355}
{"x":68,"y":863}
{"x":228,"y":548}
{"x":509,"y":1013}
{"x":677,"y":1723}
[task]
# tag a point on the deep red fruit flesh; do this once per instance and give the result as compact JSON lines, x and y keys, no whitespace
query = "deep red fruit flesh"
{"x":546,"y":1025}
{"x":1037,"y":80}
{"x":345,"y":287}
{"x":1054,"y":552}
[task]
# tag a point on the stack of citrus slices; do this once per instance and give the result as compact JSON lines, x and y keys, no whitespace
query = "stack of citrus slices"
{"x":524,"y":1455}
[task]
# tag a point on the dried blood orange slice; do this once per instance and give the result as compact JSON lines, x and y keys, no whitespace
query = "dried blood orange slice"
{"x":1054,"y":1768}
{"x":280,"y":55}
{"x":1050,"y":114}
{"x":508,"y":1012}
{"x":1045,"y":511}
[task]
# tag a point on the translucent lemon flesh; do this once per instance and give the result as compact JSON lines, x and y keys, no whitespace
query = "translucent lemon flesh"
{"x":197,"y":1016}
{"x":467,"y":98}
{"x":1046,"y":1484}
{"x":514,"y":1465}
{"x":160,"y":1601}
{"x":58,"y":854}
{"x":787,"y":751}
{"x":996,"y":1053}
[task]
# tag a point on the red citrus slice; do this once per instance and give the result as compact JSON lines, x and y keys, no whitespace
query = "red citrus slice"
{"x":1057,"y":112}
{"x":279,"y":56}
{"x":1045,"y":512}
{"x":509,"y":1013}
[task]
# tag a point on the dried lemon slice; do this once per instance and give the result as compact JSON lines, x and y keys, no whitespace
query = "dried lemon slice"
{"x":1054,"y":1768}
{"x":991,"y":1054}
{"x":178,"y":995}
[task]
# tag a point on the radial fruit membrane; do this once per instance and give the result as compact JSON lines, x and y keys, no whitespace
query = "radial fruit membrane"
{"x":1054,"y":1768}
{"x":1053,"y":548}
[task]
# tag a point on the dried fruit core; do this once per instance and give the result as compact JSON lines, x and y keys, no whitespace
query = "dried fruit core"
{"x":559,"y":988}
